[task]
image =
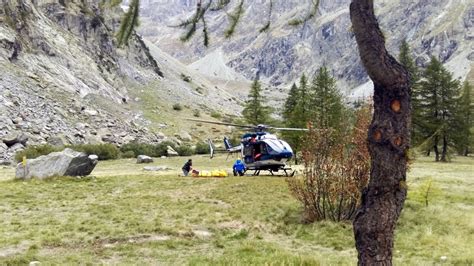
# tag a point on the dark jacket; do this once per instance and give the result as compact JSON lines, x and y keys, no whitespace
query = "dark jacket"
{"x":187,"y":166}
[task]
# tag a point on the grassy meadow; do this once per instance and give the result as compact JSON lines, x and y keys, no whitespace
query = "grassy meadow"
{"x":124,"y":215}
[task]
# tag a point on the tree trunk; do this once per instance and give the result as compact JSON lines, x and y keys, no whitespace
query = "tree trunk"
{"x":435,"y":149}
{"x":388,"y":140}
{"x":444,"y":152}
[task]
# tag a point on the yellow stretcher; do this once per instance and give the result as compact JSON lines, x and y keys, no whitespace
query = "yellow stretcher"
{"x":213,"y":173}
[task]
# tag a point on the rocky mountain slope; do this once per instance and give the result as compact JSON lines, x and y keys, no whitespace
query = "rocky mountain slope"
{"x":432,"y":27}
{"x":63,"y":80}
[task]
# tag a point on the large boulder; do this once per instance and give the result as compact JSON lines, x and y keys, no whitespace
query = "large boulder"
{"x":184,"y":136}
{"x":14,"y":138}
{"x":171,"y":152}
{"x":65,"y":163}
{"x":144,"y":159}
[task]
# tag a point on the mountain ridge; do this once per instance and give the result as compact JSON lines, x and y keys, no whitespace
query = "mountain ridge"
{"x":441,"y":28}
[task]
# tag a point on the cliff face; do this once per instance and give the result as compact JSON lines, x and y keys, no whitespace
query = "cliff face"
{"x":440,"y":28}
{"x":61,"y":72}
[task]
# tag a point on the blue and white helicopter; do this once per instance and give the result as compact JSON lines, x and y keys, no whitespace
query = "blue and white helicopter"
{"x":260,"y":150}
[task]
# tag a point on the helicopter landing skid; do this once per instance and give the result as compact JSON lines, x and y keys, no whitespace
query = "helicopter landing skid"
{"x":272,"y":172}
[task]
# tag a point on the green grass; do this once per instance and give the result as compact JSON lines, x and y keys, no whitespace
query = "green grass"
{"x":124,"y":215}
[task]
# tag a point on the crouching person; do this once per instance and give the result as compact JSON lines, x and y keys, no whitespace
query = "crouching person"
{"x":238,"y":168}
{"x":187,"y":167}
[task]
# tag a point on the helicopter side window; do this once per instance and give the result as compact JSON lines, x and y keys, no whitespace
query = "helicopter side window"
{"x":248,"y":150}
{"x":263,"y":148}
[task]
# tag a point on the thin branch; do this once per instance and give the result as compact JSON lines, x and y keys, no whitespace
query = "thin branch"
{"x":234,"y":18}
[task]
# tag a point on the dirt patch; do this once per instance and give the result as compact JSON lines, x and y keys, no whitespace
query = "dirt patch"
{"x":234,"y":225}
{"x":112,"y":242}
{"x":202,"y":233}
{"x":13,"y":250}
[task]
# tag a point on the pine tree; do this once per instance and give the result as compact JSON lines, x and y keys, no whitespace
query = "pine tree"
{"x":290,"y":102}
{"x":301,"y":113}
{"x":439,"y":95}
{"x":407,"y":61}
{"x":465,"y":136}
{"x":254,"y":111}
{"x":291,"y":119}
{"x":328,"y":107}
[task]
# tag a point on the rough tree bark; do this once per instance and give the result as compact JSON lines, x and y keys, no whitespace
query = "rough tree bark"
{"x":388,"y":140}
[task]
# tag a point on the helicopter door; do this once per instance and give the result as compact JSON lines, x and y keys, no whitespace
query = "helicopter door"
{"x":248,"y":154}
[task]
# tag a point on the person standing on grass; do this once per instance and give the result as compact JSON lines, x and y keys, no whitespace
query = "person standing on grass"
{"x":187,"y":167}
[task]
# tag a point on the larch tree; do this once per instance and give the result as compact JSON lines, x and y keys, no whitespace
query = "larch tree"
{"x":301,"y":113}
{"x":255,"y":112}
{"x":291,"y":120}
{"x":327,"y":107}
{"x":465,"y":119}
{"x":290,"y":103}
{"x":439,"y":97}
{"x":406,"y":59}
{"x":388,"y":135}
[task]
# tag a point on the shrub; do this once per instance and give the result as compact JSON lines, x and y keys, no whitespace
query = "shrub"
{"x":138,"y":149}
{"x":336,"y":170}
{"x":32,"y":152}
{"x":177,"y":107}
{"x":202,"y":148}
{"x":196,"y":113}
{"x":216,"y":115}
{"x":147,"y":149}
{"x":199,"y":90}
{"x":162,"y":148}
{"x":128,"y":154}
{"x":103,"y":151}
{"x":185,"y":78}
{"x":184,"y":150}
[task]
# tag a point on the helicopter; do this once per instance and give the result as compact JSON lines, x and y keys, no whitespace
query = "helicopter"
{"x":260,"y":150}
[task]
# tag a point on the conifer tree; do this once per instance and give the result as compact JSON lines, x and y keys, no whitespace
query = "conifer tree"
{"x":290,"y":103}
{"x":405,"y":58}
{"x":292,"y":120}
{"x":129,"y":22}
{"x":465,"y":137}
{"x":255,"y":112}
{"x":301,"y":113}
{"x":328,"y":107}
{"x":439,"y":95}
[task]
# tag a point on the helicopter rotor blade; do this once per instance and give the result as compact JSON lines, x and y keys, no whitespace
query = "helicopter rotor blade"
{"x":219,"y":123}
{"x":288,"y":129}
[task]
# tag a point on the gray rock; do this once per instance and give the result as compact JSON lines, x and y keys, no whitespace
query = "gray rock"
{"x":144,"y":159}
{"x":16,"y":147}
{"x":176,"y":141}
{"x":65,"y":163}
{"x":58,"y":140}
{"x":5,"y":122}
{"x":171,"y":152}
{"x":184,"y":136}
{"x":90,"y":112}
{"x":15,"y":137}
{"x":156,"y":168}
{"x":160,"y":135}
{"x":5,"y":162}
{"x":3,"y":147}
{"x":17,"y":120}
